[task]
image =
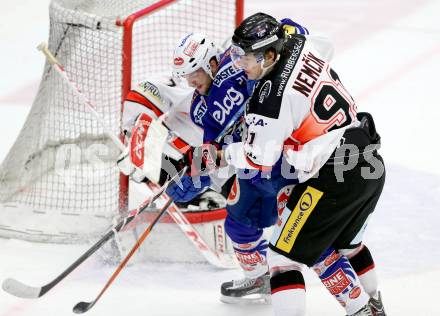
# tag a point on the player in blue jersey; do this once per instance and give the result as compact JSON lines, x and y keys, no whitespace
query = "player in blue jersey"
{"x":220,"y":89}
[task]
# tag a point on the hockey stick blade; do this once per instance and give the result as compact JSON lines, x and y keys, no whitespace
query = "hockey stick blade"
{"x":19,"y":289}
{"x":22,"y":290}
{"x":83,"y":307}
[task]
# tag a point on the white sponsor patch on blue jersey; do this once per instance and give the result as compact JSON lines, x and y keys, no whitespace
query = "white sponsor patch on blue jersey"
{"x":199,"y":112}
{"x":227,"y":71}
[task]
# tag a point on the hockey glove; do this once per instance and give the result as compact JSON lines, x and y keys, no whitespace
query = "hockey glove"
{"x":188,"y":188}
{"x":203,"y":159}
{"x":143,"y":156}
{"x":291,"y":27}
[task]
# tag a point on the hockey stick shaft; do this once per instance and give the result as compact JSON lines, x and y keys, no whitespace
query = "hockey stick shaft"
{"x":76,"y":90}
{"x":83,"y":307}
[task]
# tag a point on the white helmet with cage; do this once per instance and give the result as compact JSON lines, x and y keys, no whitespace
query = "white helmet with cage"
{"x":194,"y":51}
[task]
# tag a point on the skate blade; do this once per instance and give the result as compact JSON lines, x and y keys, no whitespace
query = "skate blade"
{"x":253,"y":299}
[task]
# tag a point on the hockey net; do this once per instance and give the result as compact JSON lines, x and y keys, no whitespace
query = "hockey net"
{"x":59,"y":182}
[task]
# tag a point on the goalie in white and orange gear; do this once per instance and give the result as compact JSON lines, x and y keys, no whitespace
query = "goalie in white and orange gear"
{"x":162,"y":104}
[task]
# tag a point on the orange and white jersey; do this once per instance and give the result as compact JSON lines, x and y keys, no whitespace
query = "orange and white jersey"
{"x":300,"y":110}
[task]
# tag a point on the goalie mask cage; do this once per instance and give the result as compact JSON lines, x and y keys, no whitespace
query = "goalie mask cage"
{"x":59,"y":182}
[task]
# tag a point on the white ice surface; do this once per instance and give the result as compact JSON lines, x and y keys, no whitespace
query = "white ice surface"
{"x":387,"y":54}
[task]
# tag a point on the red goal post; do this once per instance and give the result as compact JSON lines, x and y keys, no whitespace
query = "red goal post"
{"x":59,"y":181}
{"x":129,"y":22}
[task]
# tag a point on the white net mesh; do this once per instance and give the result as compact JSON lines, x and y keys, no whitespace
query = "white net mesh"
{"x":153,"y":50}
{"x":59,"y":181}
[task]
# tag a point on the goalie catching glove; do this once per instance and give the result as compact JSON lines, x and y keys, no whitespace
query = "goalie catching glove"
{"x":142,"y":158}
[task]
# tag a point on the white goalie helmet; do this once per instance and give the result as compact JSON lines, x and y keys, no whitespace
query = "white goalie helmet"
{"x":194,"y":51}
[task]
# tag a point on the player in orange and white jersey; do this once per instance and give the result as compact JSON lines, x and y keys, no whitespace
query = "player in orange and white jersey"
{"x":301,"y":115}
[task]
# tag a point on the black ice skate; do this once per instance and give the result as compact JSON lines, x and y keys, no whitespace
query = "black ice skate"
{"x":247,"y":291}
{"x":376,"y":305}
{"x":373,"y":308}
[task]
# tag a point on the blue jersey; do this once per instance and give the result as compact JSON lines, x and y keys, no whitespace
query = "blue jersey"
{"x":224,"y":103}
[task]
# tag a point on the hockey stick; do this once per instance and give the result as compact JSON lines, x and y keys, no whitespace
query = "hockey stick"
{"x":211,"y":256}
{"x":19,"y":289}
{"x":83,"y":307}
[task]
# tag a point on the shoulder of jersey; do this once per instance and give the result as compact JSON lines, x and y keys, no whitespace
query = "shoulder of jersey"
{"x":149,"y":90}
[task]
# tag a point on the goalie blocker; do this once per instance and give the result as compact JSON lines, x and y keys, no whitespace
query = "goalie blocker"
{"x":143,"y":156}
